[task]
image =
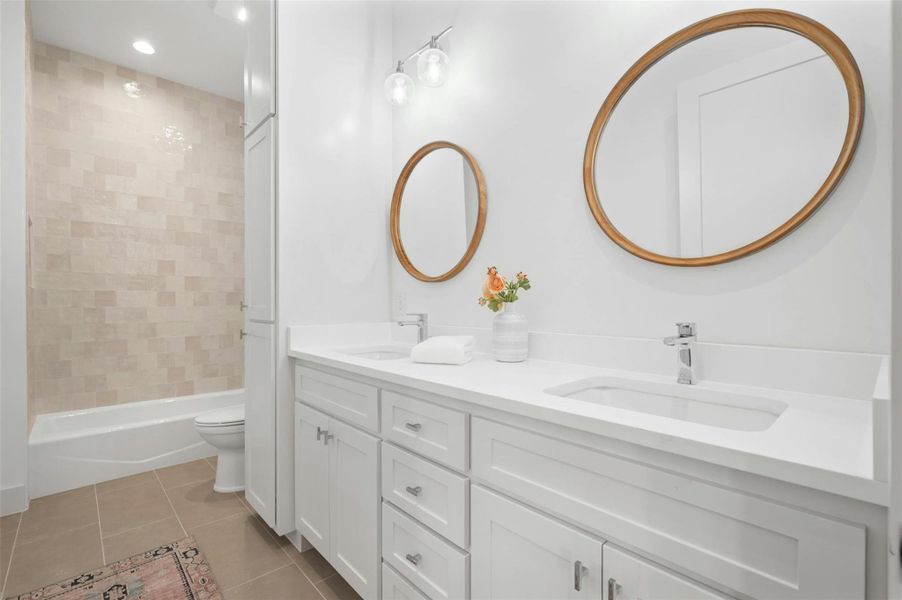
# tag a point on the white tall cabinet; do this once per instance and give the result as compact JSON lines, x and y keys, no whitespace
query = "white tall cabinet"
{"x":261,"y":323}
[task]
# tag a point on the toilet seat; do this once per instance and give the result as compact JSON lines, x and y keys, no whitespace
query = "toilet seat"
{"x":223,"y":417}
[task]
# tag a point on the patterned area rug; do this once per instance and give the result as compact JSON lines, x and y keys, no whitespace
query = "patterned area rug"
{"x":176,"y":571}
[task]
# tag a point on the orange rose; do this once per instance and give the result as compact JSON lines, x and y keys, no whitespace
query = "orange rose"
{"x":494,"y":283}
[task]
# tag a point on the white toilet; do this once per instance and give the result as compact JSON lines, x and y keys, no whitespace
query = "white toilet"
{"x":224,"y":430}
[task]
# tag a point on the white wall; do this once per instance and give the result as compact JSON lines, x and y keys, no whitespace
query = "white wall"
{"x":13,"y":374}
{"x":334,"y":161}
{"x":527,"y":81}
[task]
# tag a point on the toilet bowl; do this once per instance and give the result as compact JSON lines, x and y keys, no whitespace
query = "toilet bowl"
{"x":224,"y":430}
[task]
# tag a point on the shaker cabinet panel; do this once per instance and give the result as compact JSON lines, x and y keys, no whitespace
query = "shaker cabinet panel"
{"x":259,"y":224}
{"x":758,"y":547}
{"x":435,"y":566}
{"x":520,"y":554}
{"x":435,"y":496}
{"x":628,"y":577}
{"x":352,"y":401}
{"x":354,"y":498}
{"x":434,"y":431}
{"x":260,"y":420}
{"x":259,"y":63}
{"x":311,"y":479}
{"x":337,"y":496}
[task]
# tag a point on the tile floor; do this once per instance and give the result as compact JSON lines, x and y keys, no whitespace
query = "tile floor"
{"x":71,"y":532}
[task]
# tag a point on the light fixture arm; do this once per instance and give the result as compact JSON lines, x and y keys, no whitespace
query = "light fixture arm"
{"x":432,"y":43}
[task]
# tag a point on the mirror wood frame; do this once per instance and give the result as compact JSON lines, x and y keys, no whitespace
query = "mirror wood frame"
{"x":793,"y":22}
{"x":395,"y":215}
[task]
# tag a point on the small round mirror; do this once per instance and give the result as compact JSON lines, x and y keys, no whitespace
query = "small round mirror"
{"x":724,"y":137}
{"x":438,"y":211}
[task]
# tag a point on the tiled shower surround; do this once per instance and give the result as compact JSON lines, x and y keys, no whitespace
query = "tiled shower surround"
{"x":136,"y":240}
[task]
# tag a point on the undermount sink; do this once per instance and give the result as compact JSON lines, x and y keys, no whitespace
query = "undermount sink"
{"x":386,"y":352}
{"x":718,"y":408}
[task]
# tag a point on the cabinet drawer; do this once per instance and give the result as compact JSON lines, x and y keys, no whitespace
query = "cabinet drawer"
{"x":433,"y":431}
{"x":395,"y":587}
{"x":431,"y":494}
{"x":628,"y":577}
{"x":757,"y":547}
{"x":352,"y":401}
{"x":436,"y":567}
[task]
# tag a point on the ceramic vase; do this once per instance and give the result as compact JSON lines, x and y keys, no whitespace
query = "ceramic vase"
{"x":510,"y":335}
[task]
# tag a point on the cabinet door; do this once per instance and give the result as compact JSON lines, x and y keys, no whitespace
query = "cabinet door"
{"x":628,"y":577}
{"x":259,"y":63}
{"x":519,"y":554}
{"x":354,"y":499}
{"x":311,"y":476}
{"x":259,"y":224}
{"x":260,"y":420}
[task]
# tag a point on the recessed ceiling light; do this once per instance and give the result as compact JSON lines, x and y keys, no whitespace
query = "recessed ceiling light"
{"x":241,"y":15}
{"x":143,"y":46}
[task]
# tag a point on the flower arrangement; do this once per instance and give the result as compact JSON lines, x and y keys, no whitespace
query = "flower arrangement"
{"x":498,"y":291}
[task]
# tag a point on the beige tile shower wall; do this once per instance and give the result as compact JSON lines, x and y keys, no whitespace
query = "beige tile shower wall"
{"x":137,"y":212}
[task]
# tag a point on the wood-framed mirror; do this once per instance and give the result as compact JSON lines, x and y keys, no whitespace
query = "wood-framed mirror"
{"x":438,"y":211}
{"x":724,"y":137}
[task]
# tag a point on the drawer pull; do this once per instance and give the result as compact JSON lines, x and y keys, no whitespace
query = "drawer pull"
{"x":414,"y":491}
{"x":614,"y":589}
{"x":578,"y":570}
{"x":413,"y":426}
{"x":413,"y":558}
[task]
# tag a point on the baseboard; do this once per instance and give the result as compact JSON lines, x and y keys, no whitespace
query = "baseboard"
{"x":13,"y":499}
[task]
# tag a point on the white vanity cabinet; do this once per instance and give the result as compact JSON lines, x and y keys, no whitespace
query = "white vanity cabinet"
{"x":337,"y":495}
{"x":521,"y":554}
{"x":478,"y":503}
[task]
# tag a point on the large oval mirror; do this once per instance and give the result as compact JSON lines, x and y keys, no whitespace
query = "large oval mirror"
{"x":438,"y":211}
{"x":724,"y":137}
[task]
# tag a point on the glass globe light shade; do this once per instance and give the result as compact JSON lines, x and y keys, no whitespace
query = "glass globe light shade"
{"x":432,"y":66}
{"x":399,"y":88}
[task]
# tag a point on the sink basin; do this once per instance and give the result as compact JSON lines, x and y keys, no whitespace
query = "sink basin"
{"x":718,"y":408}
{"x":386,"y":352}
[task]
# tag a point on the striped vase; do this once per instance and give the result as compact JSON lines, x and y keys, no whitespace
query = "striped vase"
{"x":510,"y":335}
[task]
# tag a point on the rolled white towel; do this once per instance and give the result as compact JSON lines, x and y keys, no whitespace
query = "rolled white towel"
{"x":444,"y":349}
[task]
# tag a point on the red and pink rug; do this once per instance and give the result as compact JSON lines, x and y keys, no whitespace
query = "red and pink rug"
{"x":176,"y":571}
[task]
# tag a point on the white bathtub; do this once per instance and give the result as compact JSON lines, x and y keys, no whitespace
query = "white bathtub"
{"x":67,"y":450}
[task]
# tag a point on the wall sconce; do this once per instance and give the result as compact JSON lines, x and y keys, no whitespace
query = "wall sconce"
{"x":432,"y":70}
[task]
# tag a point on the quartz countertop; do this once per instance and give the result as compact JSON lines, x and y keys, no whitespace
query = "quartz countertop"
{"x":819,"y":441}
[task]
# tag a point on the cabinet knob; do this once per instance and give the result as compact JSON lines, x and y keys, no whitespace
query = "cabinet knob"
{"x":614,"y":589}
{"x":414,"y":491}
{"x":320,"y":432}
{"x":242,"y":306}
{"x":243,"y":334}
{"x":413,"y":558}
{"x":413,"y":426}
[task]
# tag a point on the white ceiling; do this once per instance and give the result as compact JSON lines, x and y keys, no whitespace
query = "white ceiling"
{"x":194,"y":45}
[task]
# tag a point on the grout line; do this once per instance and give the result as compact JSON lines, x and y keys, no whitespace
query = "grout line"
{"x":171,"y":505}
{"x":11,"y":555}
{"x":231,"y":516}
{"x":279,"y":568}
{"x":130,"y":529}
{"x":284,"y":549}
{"x":99,"y":526}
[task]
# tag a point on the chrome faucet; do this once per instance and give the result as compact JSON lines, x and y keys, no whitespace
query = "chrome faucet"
{"x":422,"y":323}
{"x":683,"y":342}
